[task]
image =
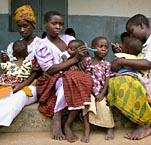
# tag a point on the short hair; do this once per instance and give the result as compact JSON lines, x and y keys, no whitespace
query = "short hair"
{"x":18,"y":47}
{"x":137,"y":20}
{"x":49,"y":14}
{"x":80,"y":42}
{"x":98,"y":38}
{"x":123,"y":35}
{"x":19,"y":43}
{"x":133,"y":45}
{"x":70,"y":31}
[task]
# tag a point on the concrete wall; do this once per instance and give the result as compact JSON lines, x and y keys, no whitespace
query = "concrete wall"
{"x":89,"y":18}
{"x":121,"y":8}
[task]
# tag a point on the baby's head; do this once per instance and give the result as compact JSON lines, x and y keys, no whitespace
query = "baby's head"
{"x":20,"y":49}
{"x":101,"y":44}
{"x":73,"y":46}
{"x":132,"y":45}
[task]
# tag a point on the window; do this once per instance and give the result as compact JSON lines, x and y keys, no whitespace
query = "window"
{"x":40,"y":7}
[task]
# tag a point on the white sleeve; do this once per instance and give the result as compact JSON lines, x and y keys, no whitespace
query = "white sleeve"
{"x":10,"y":52}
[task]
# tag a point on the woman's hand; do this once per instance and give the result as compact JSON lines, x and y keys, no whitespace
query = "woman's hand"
{"x":116,"y":64}
{"x":81,"y":52}
{"x":4,"y":56}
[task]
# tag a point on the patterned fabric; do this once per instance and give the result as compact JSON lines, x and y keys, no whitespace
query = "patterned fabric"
{"x":46,"y":94}
{"x":14,"y":73}
{"x":77,"y":88}
{"x":25,"y":12}
{"x":48,"y":54}
{"x":99,"y":73}
{"x":77,"y":91}
{"x":130,"y":97}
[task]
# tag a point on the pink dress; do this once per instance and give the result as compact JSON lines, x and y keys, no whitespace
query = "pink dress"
{"x":99,"y":72}
{"x":47,"y":55}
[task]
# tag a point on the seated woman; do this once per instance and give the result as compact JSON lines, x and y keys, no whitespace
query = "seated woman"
{"x":26,"y":23}
{"x":60,"y":87}
{"x":127,"y":92}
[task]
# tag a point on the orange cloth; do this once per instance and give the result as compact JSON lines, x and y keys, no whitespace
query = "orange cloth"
{"x":5,"y":91}
{"x":25,"y":12}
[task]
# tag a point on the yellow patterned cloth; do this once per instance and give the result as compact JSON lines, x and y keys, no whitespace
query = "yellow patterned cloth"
{"x":130,"y":97}
{"x":25,"y":12}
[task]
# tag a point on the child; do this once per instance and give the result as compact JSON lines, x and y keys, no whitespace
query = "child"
{"x":117,"y":47}
{"x":72,"y":50}
{"x":98,"y":113}
{"x":18,"y":70}
{"x":132,"y":90}
{"x":131,"y":49}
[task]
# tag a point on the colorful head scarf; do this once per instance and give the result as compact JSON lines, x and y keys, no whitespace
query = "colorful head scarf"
{"x":25,"y":12}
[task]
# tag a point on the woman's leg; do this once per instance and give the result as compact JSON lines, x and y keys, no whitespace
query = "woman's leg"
{"x":56,"y":126}
{"x":70,"y":136}
{"x":139,"y":133}
{"x":12,"y":106}
{"x":130,"y":97}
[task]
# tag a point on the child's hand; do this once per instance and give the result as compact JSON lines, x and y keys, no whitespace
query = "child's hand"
{"x":4,"y":56}
{"x":116,"y":48}
{"x":64,"y":58}
{"x":74,"y":67}
{"x":16,"y":87}
{"x":99,"y":98}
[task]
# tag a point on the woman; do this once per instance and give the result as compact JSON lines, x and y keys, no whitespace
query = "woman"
{"x":11,"y":106}
{"x":126,"y":92}
{"x":59,"y":88}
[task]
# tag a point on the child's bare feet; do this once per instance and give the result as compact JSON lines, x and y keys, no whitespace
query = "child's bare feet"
{"x":70,"y":136}
{"x":110,"y":134}
{"x":86,"y":137}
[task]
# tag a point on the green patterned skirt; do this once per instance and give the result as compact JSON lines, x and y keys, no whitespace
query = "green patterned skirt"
{"x":130,"y":97}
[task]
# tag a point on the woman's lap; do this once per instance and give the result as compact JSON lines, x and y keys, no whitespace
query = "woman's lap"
{"x":11,"y":106}
{"x":129,"y":96}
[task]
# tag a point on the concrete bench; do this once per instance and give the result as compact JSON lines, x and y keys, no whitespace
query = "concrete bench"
{"x":30,"y":119}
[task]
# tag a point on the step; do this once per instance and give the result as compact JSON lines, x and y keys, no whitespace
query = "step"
{"x":30,"y":120}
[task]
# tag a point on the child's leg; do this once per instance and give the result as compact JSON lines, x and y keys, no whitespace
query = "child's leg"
{"x":56,"y":126}
{"x":70,"y":136}
{"x":86,"y":135}
{"x":110,"y":134}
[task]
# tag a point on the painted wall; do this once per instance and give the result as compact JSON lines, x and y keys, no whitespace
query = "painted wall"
{"x":4,"y":6}
{"x":89,"y":18}
{"x":122,"y":8}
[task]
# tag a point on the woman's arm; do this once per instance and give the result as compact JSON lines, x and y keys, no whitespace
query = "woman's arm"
{"x":65,"y":65}
{"x":139,"y":64}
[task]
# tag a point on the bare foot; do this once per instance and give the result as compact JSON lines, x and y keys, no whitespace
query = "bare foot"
{"x":139,"y":133}
{"x":85,"y":138}
{"x":110,"y":134}
{"x":56,"y":128}
{"x":70,"y":137}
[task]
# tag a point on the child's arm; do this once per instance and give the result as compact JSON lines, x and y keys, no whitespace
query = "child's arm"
{"x":64,"y":58}
{"x":19,"y":86}
{"x":101,"y":96}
